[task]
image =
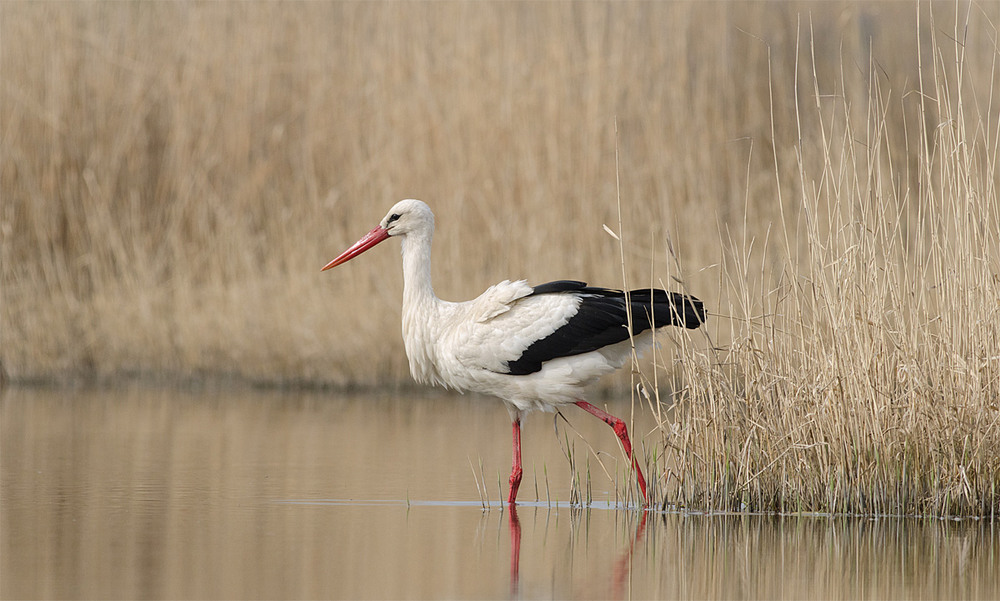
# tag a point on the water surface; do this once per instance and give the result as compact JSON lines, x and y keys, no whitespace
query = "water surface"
{"x":151,"y":493}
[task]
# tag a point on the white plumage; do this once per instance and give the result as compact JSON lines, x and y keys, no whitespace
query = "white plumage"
{"x":534,"y":347}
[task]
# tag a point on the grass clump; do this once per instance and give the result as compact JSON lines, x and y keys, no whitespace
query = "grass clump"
{"x":861,"y":369}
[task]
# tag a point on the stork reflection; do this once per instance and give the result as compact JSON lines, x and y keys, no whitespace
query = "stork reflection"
{"x":515,"y":550}
{"x":620,"y":572}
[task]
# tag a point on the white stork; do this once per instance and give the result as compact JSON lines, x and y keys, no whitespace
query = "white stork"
{"x":534,"y":347}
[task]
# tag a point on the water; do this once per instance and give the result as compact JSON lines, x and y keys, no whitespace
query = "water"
{"x":143,"y":493}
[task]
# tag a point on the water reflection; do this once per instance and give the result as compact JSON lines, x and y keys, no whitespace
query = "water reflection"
{"x":515,"y":551}
{"x":622,"y":567}
{"x":235,"y":494}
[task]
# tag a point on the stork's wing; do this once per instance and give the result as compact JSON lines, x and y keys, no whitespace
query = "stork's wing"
{"x":497,"y":299}
{"x":565,"y":318}
{"x":602,"y":320}
{"x":496,"y":328}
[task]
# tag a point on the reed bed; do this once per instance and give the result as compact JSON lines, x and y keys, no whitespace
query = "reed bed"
{"x":824,"y":176}
{"x":861,"y":368}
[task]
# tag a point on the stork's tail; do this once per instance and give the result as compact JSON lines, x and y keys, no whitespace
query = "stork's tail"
{"x":652,"y":307}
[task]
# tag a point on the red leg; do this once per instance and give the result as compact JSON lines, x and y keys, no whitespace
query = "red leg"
{"x":622,"y":432}
{"x":515,"y":469}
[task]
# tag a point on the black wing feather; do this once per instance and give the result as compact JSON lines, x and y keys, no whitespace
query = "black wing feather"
{"x":602,"y":320}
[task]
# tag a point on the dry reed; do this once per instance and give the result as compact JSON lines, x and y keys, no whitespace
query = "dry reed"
{"x":861,"y":369}
{"x":823,"y":175}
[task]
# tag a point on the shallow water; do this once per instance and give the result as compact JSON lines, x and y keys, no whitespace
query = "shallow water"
{"x":143,"y":493}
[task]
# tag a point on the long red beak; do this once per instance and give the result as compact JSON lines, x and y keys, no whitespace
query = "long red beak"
{"x":369,"y":240}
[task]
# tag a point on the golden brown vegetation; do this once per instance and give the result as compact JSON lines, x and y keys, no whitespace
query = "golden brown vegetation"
{"x":823,"y":175}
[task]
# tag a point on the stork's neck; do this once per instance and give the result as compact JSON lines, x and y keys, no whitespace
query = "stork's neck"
{"x":417,"y":288}
{"x":420,"y":308}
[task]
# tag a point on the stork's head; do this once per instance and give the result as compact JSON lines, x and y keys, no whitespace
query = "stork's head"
{"x":408,"y":216}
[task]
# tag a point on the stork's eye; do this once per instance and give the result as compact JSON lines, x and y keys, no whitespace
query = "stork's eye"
{"x":392,"y":218}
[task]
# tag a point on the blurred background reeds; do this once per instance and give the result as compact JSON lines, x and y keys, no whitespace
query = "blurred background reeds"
{"x":823,"y":175}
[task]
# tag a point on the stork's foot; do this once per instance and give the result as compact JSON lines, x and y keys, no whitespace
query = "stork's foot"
{"x":622,"y":432}
{"x":515,"y":482}
{"x":515,"y":468}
